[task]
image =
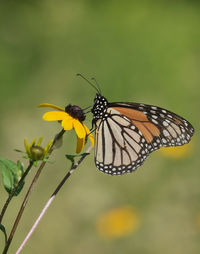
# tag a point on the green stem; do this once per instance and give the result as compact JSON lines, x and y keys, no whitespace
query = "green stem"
{"x":47,"y":205}
{"x":11,"y":195}
{"x":21,"y":210}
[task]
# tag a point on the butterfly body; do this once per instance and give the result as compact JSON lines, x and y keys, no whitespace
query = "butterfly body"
{"x":126,"y":133}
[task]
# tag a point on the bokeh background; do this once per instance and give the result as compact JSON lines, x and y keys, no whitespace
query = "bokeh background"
{"x":139,"y":51}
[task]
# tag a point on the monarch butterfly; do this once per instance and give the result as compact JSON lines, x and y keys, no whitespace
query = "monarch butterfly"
{"x":126,"y":133}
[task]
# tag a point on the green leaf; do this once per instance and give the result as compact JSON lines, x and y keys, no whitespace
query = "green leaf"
{"x":20,"y":171}
{"x":7,"y":169}
{"x":35,"y":163}
{"x":11,"y":174}
{"x":2,"y":228}
{"x":19,"y":151}
{"x":12,"y":166}
{"x":19,"y":188}
{"x":72,"y":157}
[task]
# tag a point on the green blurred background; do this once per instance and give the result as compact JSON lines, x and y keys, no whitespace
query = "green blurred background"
{"x":140,"y":51}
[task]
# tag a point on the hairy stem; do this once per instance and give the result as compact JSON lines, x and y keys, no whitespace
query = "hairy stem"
{"x":52,"y":198}
{"x":21,"y":210}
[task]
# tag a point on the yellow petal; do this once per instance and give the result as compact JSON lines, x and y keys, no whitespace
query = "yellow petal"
{"x":79,"y":129}
{"x":80,"y":144}
{"x":47,"y":105}
{"x":91,"y":139}
{"x":55,"y":116}
{"x":67,"y":123}
{"x":40,"y":141}
{"x":46,"y":149}
{"x":27,"y":147}
{"x":33,"y":142}
{"x":89,"y":134}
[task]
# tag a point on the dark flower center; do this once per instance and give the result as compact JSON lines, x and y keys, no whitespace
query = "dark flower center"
{"x":75,"y":112}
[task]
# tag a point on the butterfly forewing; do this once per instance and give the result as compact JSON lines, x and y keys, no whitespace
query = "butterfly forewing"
{"x":127,"y":132}
{"x":171,"y":129}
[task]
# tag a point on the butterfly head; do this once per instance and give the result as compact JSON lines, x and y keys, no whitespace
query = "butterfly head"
{"x":99,"y":108}
{"x":75,"y":112}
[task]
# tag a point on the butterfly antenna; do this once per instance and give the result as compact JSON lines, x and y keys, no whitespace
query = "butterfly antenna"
{"x":88,"y":107}
{"x":78,"y":74}
{"x":87,"y":112}
{"x":97,"y":84}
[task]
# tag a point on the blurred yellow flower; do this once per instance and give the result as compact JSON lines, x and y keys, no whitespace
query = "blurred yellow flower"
{"x":71,"y":117}
{"x":198,"y":220}
{"x":177,"y":152}
{"x":118,"y":222}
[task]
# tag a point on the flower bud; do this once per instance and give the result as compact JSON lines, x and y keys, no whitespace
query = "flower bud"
{"x":37,"y":153}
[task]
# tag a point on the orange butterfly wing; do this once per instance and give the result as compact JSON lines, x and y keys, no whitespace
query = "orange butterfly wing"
{"x":130,"y":131}
{"x":126,"y":133}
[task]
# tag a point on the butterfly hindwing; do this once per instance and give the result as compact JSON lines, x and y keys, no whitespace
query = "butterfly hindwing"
{"x":120,"y":147}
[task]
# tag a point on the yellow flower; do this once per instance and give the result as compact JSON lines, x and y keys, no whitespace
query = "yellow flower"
{"x":118,"y":222}
{"x":34,"y":151}
{"x":177,"y":152}
{"x":71,"y":117}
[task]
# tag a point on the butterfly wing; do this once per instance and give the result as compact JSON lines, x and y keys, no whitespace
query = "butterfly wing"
{"x":130,"y":131}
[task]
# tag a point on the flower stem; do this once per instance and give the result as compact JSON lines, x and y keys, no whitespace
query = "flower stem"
{"x":52,"y":198}
{"x":21,"y":210}
{"x":11,"y":195}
